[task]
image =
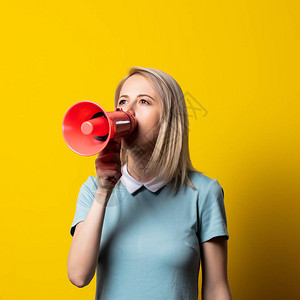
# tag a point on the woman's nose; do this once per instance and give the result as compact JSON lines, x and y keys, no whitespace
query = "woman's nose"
{"x":130,"y":108}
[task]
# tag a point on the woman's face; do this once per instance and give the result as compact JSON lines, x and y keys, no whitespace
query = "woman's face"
{"x":138,"y":97}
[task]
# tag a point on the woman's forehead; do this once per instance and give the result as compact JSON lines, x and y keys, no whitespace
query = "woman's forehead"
{"x":138,"y":84}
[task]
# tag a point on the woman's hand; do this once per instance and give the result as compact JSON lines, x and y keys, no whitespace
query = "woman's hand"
{"x":108,"y":166}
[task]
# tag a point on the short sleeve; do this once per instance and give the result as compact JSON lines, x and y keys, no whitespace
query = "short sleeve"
{"x":213,"y":221}
{"x":84,"y":202}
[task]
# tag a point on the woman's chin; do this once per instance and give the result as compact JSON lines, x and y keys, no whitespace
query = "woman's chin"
{"x":139,"y":147}
{"x":138,"y":141}
{"x":128,"y":142}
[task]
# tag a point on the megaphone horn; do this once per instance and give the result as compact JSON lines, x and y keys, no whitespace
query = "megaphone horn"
{"x":87,"y":128}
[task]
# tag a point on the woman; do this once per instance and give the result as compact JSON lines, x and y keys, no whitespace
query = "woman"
{"x":155,"y":215}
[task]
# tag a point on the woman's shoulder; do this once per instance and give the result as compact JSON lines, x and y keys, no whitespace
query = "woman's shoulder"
{"x":200,"y":180}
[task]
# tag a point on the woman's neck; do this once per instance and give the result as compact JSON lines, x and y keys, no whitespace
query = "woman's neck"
{"x":136,"y":167}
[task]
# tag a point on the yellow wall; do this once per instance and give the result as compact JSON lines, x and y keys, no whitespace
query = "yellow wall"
{"x":239,"y":60}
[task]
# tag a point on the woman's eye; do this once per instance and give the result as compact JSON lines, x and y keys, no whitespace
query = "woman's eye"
{"x":145,"y":101}
{"x":120,"y":102}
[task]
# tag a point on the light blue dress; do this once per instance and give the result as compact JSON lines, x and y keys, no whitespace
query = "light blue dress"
{"x":150,"y":243}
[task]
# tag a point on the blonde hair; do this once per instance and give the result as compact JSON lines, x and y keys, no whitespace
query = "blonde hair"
{"x":170,"y":158}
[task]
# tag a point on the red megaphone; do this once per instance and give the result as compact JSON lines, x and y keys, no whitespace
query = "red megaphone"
{"x":87,"y":128}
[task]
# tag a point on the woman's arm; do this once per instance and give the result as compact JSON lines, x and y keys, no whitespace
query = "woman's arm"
{"x":214,"y":270}
{"x":83,"y":255}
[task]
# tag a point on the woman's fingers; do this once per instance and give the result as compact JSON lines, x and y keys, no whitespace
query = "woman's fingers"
{"x":107,"y":174}
{"x":108,"y":166}
{"x":110,"y":147}
{"x":110,"y":160}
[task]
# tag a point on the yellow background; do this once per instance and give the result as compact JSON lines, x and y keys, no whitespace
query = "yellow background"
{"x":238,"y":59}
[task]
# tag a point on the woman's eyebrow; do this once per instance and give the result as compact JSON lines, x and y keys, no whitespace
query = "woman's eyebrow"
{"x":140,"y":95}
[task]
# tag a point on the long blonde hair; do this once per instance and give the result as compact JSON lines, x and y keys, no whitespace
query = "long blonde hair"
{"x":170,"y":158}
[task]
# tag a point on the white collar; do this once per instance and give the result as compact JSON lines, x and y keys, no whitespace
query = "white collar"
{"x":132,"y":185}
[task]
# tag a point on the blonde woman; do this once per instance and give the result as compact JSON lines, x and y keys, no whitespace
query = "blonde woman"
{"x":149,"y":218}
